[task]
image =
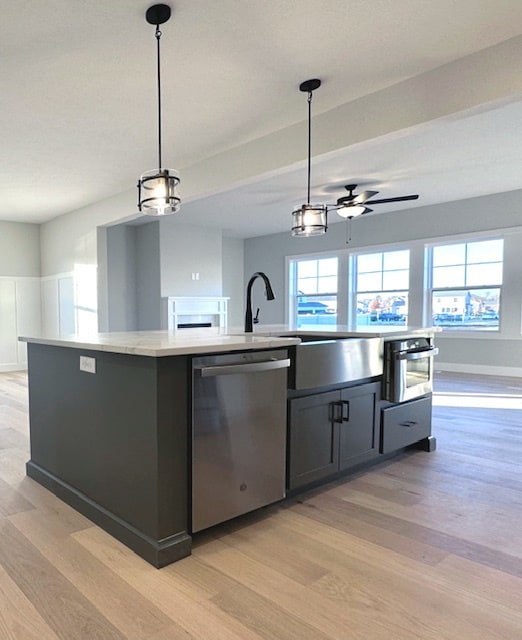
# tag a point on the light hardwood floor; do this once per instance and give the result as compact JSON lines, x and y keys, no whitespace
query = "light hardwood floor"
{"x":425,"y":546}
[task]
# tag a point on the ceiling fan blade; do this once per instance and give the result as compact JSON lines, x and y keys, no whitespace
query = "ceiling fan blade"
{"x":361,"y":198}
{"x":398,"y":199}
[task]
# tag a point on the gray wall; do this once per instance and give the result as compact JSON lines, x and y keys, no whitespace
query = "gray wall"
{"x":186,"y":249}
{"x":495,"y":353}
{"x":121,"y":278}
{"x":132,"y":258}
{"x":148,"y":277}
{"x":19,"y":249}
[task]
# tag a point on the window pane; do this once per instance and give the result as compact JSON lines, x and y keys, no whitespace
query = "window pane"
{"x":369,"y":281}
{"x":307,"y":269}
{"x":316,"y":310}
{"x":448,"y":276}
{"x":396,"y":260}
{"x":449,"y":254}
{"x":315,"y":291}
{"x":393,"y":280}
{"x":467,"y":309}
{"x":382,"y":308}
{"x":328,"y":284}
{"x":328,"y":267}
{"x":481,"y":274}
{"x":307,"y":285}
{"x":487,"y":251}
{"x":369,"y":262}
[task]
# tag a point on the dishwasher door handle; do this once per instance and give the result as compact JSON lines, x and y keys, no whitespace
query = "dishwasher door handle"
{"x":248,"y":367}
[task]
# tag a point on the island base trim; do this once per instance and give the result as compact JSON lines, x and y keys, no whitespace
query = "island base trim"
{"x":159,"y":553}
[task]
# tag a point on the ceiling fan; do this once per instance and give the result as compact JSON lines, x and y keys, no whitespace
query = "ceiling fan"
{"x":353,"y":205}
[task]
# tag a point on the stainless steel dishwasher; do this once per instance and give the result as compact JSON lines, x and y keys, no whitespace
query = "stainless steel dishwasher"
{"x":239,"y":434}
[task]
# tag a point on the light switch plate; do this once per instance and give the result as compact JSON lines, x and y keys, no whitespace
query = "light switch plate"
{"x":87,"y":364}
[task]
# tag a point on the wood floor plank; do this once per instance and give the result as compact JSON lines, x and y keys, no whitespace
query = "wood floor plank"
{"x":455,"y":578}
{"x":11,"y":501}
{"x":197,"y":617}
{"x":65,"y":610}
{"x":337,"y":515}
{"x":348,"y":514}
{"x":400,"y":588}
{"x":473,"y":524}
{"x":12,"y":465}
{"x":299,"y":603}
{"x":19,"y":620}
{"x":132,"y":614}
{"x":275,"y":552}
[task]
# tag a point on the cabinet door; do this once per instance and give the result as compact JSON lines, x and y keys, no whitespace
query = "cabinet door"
{"x":8,"y":333}
{"x":359,"y":430}
{"x":313,"y":438}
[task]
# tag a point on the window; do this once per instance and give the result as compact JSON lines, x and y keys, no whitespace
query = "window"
{"x":314,"y":287}
{"x":381,"y":288}
{"x":466,"y":281}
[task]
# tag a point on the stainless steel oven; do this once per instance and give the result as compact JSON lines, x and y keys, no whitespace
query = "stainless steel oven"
{"x":408,"y":368}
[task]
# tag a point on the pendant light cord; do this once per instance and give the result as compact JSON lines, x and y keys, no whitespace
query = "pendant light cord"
{"x":158,"y":36}
{"x":309,"y":141}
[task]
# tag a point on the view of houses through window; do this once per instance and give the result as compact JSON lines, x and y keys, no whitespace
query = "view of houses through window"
{"x":382,"y":284}
{"x":462,"y":287}
{"x":316,"y":291}
{"x":466,"y":284}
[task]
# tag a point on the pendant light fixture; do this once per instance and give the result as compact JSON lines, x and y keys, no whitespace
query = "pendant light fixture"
{"x":158,"y":193}
{"x":309,"y":219}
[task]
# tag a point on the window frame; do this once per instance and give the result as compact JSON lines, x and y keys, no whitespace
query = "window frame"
{"x":354,"y":292}
{"x":292,"y":296}
{"x":430,"y":290}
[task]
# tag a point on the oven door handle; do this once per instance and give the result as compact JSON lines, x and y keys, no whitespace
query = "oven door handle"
{"x":416,"y":355}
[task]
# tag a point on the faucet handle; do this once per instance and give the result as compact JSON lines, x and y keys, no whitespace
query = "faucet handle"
{"x":256,"y":319}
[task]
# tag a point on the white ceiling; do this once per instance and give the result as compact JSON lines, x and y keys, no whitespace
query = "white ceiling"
{"x":78,"y":101}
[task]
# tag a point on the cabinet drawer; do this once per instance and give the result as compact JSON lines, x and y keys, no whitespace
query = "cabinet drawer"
{"x":405,"y":424}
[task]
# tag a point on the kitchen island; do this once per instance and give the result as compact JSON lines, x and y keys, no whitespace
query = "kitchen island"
{"x":111,"y":422}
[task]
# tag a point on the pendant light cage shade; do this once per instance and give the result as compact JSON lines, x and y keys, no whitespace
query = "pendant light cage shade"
{"x":158,"y":192}
{"x":309,"y":220}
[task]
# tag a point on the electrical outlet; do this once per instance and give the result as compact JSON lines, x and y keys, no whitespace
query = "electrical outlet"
{"x":87,"y":364}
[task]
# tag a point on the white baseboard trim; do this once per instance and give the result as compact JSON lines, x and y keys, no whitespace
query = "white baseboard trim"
{"x":485,"y":370}
{"x":6,"y":368}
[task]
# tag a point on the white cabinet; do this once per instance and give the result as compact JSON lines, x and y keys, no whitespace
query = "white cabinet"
{"x":20,"y":314}
{"x":8,"y":347}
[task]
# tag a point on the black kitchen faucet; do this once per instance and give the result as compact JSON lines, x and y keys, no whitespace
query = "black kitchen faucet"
{"x":249,"y":326}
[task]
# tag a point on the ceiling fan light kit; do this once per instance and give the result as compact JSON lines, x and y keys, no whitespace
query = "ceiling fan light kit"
{"x":158,"y":190}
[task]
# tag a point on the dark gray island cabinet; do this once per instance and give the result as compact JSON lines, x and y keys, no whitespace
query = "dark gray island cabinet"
{"x":113,"y":425}
{"x":113,"y":440}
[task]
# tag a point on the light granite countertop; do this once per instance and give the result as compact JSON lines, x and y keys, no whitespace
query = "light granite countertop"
{"x":342,"y":331}
{"x":198,"y":341}
{"x":165,"y":343}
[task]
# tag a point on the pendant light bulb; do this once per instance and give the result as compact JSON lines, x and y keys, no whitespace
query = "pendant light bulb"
{"x":158,"y":190}
{"x":309,"y":219}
